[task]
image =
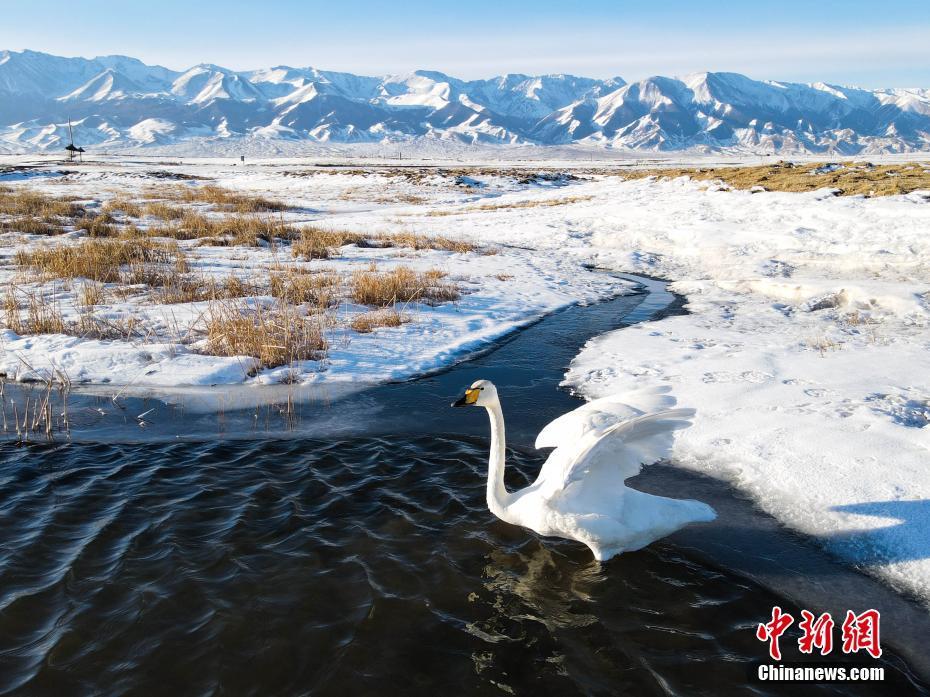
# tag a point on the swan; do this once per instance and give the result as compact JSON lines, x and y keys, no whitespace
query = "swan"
{"x":580,"y":492}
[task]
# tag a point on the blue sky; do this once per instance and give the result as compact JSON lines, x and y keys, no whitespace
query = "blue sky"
{"x":864,"y":43}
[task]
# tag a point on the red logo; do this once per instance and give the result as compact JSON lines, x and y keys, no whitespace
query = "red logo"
{"x":860,"y":632}
{"x":818,"y":633}
{"x":771,"y":631}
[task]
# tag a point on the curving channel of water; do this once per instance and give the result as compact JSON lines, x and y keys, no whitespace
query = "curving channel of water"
{"x":352,"y":553}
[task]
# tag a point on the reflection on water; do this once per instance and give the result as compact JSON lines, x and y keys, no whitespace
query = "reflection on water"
{"x":366,"y":566}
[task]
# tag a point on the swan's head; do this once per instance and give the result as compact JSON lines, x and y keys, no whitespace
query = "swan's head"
{"x":482,"y":393}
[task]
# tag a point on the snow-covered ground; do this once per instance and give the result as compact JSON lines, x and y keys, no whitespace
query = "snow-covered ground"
{"x":501,"y":288}
{"x":805,"y":350}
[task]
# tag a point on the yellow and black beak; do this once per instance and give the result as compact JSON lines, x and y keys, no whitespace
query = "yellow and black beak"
{"x":467,"y":399}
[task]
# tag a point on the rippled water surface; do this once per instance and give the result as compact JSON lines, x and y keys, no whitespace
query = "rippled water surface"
{"x":366,"y":566}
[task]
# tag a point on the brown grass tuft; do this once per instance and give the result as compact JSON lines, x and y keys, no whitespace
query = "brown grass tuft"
{"x":401,"y":285}
{"x":239,"y":230}
{"x":219,"y":198}
{"x":298,"y":287}
{"x":415,"y":241}
{"x":30,"y":226}
{"x":162,"y":210}
{"x":102,"y":260}
{"x":385,"y":317}
{"x":319,"y":243}
{"x":91,"y":294}
{"x":98,"y":226}
{"x":35,"y":204}
{"x":850,"y":178}
{"x":36,"y":315}
{"x":120,"y":204}
{"x":279,"y":335}
{"x":185,"y":288}
{"x":534,"y":203}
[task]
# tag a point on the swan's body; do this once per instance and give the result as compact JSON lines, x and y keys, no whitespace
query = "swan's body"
{"x":580,"y":492}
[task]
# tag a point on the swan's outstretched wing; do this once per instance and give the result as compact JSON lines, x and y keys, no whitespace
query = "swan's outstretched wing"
{"x":601,"y":460}
{"x":600,"y":414}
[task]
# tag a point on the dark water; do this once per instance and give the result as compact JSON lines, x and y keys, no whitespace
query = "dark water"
{"x":356,"y":563}
{"x":366,"y":566}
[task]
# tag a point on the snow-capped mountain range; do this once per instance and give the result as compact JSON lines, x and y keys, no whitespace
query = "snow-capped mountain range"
{"x":118,"y":102}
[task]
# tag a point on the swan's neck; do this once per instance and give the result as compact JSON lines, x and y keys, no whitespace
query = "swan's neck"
{"x":497,"y":492}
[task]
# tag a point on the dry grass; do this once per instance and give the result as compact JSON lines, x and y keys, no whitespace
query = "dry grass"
{"x":35,"y":213}
{"x":102,"y":260}
{"x":28,"y":313}
{"x":320,"y":243}
{"x":186,"y":288}
{"x":412,"y":199}
{"x":219,"y":198}
{"x":511,"y":205}
{"x":91,"y":327}
{"x":30,"y":226}
{"x":415,"y":241}
{"x":34,"y":316}
{"x":401,"y":285}
{"x":162,"y":210}
{"x":90,"y":294}
{"x":385,"y":317}
{"x":98,"y":226}
{"x":275,"y":336}
{"x":245,"y":230}
{"x":850,"y":178}
{"x":121,"y":204}
{"x":37,"y":205}
{"x":299,"y":287}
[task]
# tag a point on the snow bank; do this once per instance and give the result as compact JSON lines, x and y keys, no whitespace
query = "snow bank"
{"x":51,"y":356}
{"x":805,"y":354}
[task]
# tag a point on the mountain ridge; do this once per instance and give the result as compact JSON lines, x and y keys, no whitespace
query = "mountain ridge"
{"x":120,"y":102}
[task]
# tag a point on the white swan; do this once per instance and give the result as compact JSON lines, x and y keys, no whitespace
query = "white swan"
{"x":580,"y":492}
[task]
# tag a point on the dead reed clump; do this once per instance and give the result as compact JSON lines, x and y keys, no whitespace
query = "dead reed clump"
{"x":218,"y":197}
{"x":510,"y":205}
{"x":275,"y":336}
{"x":385,"y":317}
{"x":98,"y":226}
{"x":30,"y":226}
{"x":163,"y":211}
{"x":90,"y":294}
{"x":186,"y":288}
{"x":319,"y":243}
{"x":101,"y":260}
{"x":237,"y":230}
{"x":401,"y":285}
{"x":37,"y":205}
{"x":90,"y":326}
{"x":35,"y":315}
{"x":299,"y":287}
{"x":123,"y":205}
{"x":419,"y":242}
{"x":851,"y":178}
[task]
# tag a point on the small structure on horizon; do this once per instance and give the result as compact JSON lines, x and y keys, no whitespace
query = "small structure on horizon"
{"x":72,"y":148}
